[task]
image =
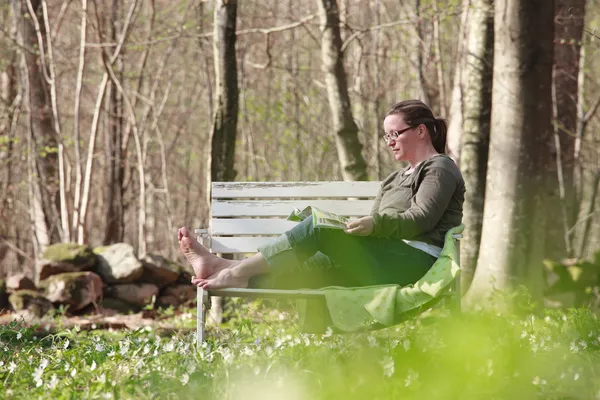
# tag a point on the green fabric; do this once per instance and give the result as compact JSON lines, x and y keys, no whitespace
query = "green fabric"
{"x":372,"y":307}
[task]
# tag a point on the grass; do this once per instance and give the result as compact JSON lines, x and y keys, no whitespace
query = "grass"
{"x":260,"y":355}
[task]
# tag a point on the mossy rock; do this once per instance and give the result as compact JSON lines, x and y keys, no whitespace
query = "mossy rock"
{"x":72,"y":253}
{"x":159,"y":270}
{"x":30,"y":300}
{"x":64,"y":257}
{"x":76,"y":289}
{"x":118,"y":263}
{"x":119,"y":306}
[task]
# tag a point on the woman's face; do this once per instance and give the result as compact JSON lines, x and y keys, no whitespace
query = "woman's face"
{"x":404,"y":145}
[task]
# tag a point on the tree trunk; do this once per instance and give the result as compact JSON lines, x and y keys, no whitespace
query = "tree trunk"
{"x":225,"y":118}
{"x":116,"y":152}
{"x":568,"y":25}
{"x":44,"y":137}
{"x":352,"y":162}
{"x":9,"y":105}
{"x":475,"y":99}
{"x":512,"y":241}
{"x":224,"y":129}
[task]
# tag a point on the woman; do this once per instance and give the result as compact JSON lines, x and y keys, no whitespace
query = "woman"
{"x":396,"y":244}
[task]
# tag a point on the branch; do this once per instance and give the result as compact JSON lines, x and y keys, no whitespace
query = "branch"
{"x":590,"y":113}
{"x":594,"y":34}
{"x":373,"y":28}
{"x":183,"y":34}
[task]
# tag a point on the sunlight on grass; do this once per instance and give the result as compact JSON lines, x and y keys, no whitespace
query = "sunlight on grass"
{"x":475,"y":355}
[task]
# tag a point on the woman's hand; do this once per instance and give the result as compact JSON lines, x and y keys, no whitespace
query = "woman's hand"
{"x":361,"y":227}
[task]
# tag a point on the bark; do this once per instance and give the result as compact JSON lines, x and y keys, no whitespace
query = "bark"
{"x":349,"y":148}
{"x":512,"y":241}
{"x":475,"y":99}
{"x":116,"y":152}
{"x":224,"y":129}
{"x":568,"y":25}
{"x":9,"y":106}
{"x":44,"y":136}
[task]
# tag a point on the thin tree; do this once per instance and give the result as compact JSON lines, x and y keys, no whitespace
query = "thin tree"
{"x":349,"y":148}
{"x":473,"y":95}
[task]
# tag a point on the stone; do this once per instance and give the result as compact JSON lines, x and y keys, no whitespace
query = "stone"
{"x":166,"y":301}
{"x":137,"y":294}
{"x":117,"y":263}
{"x":181,"y":292}
{"x":19,"y":282}
{"x":4,"y":304}
{"x":159,"y":271}
{"x":64,"y":257}
{"x":75,"y":289}
{"x":31,"y":301}
{"x":120,"y":306}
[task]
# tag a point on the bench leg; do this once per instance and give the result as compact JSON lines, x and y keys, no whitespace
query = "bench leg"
{"x":203,"y":303}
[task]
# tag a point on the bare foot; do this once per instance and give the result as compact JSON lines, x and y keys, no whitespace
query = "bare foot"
{"x":204,"y":263}
{"x":224,"y":278}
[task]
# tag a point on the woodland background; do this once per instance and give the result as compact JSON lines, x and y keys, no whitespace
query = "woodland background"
{"x":115,"y":115}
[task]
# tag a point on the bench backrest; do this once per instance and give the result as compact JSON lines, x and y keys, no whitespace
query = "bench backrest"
{"x":245,"y":215}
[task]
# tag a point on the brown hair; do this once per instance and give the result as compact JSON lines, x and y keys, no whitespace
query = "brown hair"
{"x":415,"y":113}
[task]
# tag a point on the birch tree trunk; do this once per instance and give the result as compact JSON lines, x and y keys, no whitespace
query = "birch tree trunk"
{"x":44,"y":137}
{"x":475,"y":102}
{"x":349,"y":148}
{"x":512,"y":241}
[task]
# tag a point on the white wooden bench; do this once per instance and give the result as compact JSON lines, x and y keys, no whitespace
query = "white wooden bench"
{"x":246,"y":215}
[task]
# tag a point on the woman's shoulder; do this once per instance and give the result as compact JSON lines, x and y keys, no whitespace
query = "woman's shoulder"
{"x":444,"y":162}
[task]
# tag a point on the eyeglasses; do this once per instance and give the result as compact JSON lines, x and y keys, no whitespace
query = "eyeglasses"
{"x":393,"y":135}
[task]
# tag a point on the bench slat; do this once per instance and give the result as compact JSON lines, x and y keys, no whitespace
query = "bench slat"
{"x":334,"y":189}
{"x":240,"y":226}
{"x":283,"y":208}
{"x":235,"y":245}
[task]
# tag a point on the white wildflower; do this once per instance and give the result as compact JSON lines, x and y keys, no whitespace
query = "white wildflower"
{"x":328,"y":332}
{"x":53,"y":382}
{"x":111,"y":353}
{"x":411,"y":377}
{"x":11,"y":367}
{"x":44,"y":363}
{"x":372,"y":341}
{"x":574,"y":348}
{"x":19,"y":336}
{"x":576,"y":376}
{"x":102,"y":379}
{"x":99,"y":347}
{"x":66,"y":344}
{"x":168,"y":347}
{"x":107,"y":395}
{"x":93,"y":367}
{"x":536,"y":380}
{"x":1,"y":363}
{"x":185,"y":379}
{"x":124,"y":348}
{"x":406,"y":344}
{"x":37,"y":376}
{"x":146,"y":349}
{"x":67,"y":366}
{"x":583,"y":344}
{"x":388,"y":366}
{"x":73,"y":373}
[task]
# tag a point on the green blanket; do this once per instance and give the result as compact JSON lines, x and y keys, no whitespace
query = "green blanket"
{"x":374,"y":307}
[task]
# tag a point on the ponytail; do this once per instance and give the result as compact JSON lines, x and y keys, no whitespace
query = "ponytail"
{"x":438,"y":135}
